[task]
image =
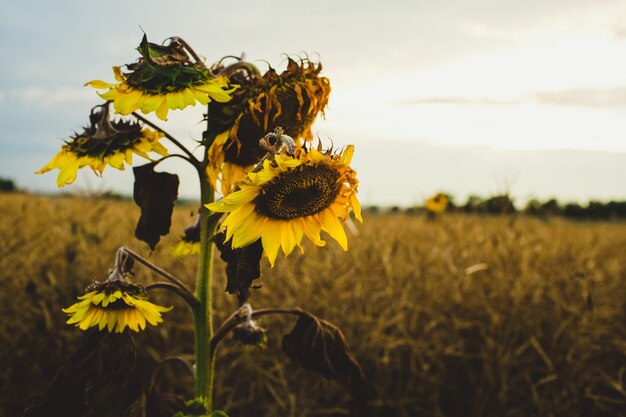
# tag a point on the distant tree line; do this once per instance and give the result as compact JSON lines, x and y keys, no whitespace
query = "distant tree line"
{"x":503,"y":205}
{"x":7,"y":185}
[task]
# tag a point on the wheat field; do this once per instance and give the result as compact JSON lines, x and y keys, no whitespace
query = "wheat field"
{"x":461,"y":316}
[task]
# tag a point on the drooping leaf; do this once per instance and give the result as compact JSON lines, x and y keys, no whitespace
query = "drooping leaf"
{"x":89,"y":379}
{"x":243,"y":265}
{"x":155,"y":193}
{"x":320,"y":346}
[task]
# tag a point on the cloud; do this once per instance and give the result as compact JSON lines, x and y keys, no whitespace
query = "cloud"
{"x":593,"y":97}
{"x":584,"y":97}
{"x":46,"y":97}
{"x":460,"y":100}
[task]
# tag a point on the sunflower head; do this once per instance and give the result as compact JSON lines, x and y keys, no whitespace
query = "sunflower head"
{"x":291,"y":99}
{"x":437,"y":203}
{"x":189,"y":243}
{"x":114,"y":305}
{"x":165,"y":77}
{"x":292,"y":196}
{"x":104,"y":142}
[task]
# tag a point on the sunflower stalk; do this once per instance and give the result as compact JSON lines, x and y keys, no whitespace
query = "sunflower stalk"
{"x":203,"y":313}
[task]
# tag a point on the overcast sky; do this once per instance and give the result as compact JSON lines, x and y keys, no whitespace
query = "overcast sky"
{"x":467,"y":97}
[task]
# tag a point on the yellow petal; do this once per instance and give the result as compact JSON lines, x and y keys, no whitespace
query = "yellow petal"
{"x":332,"y":225}
{"x":162,"y":110}
{"x":271,"y":240}
{"x":98,"y":84}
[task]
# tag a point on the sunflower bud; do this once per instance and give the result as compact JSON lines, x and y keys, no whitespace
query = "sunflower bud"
{"x":250,"y":333}
{"x":291,"y":100}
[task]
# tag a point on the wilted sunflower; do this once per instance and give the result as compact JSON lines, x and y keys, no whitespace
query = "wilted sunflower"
{"x":164,"y":78}
{"x":114,"y":305}
{"x":437,"y":203}
{"x":104,"y":142}
{"x":291,"y":100}
{"x":189,"y":243}
{"x":290,"y":197}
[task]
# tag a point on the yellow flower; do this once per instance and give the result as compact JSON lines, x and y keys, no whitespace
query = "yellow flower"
{"x":184,"y":248}
{"x":290,"y":100}
{"x":114,"y":305}
{"x":292,"y":197}
{"x":437,"y":203}
{"x":103,"y":143}
{"x":164,"y":78}
{"x":127,"y":97}
{"x":189,"y":243}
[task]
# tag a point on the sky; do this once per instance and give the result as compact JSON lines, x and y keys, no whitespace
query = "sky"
{"x":466,"y":97}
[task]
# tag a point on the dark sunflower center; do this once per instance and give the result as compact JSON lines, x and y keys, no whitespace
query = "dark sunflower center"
{"x":301,"y":192}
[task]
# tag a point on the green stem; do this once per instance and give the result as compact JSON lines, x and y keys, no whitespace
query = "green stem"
{"x":203,"y":312}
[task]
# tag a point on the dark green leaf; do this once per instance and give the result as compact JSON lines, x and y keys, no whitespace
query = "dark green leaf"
{"x":243,"y":265}
{"x":155,"y":193}
{"x":151,"y":50}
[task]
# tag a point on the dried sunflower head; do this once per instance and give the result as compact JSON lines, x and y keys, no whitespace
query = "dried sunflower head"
{"x":291,"y":100}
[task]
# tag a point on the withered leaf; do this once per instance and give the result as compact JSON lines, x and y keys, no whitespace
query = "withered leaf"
{"x":320,"y":346}
{"x":155,"y":193}
{"x":243,"y":265}
{"x":92,"y":378}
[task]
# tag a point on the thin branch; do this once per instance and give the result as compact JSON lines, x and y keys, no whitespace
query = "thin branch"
{"x":176,"y":359}
{"x":184,"y":294}
{"x":157,"y":270}
{"x":174,"y":155}
{"x":171,"y":138}
{"x":234,"y":319}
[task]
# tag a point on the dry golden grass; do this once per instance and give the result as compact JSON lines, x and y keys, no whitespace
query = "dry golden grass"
{"x":463,"y":316}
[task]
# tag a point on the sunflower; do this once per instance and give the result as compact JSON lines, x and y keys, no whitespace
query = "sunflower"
{"x":437,"y":203}
{"x":114,"y":305}
{"x":189,"y":243}
{"x":291,"y":100}
{"x":163,"y":79}
{"x":104,"y":142}
{"x":292,"y":196}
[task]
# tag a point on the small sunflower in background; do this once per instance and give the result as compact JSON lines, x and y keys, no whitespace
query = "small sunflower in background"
{"x":104,"y":142}
{"x":291,"y":100}
{"x":189,"y":243}
{"x":114,"y":305}
{"x":437,"y":204}
{"x":292,"y":196}
{"x":164,"y":78}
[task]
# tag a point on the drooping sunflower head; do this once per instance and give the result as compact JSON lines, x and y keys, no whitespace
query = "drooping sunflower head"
{"x":189,"y":243}
{"x":290,"y":197}
{"x":114,"y":305}
{"x":165,"y":77}
{"x":104,"y":142}
{"x":437,"y":203}
{"x":291,"y":99}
